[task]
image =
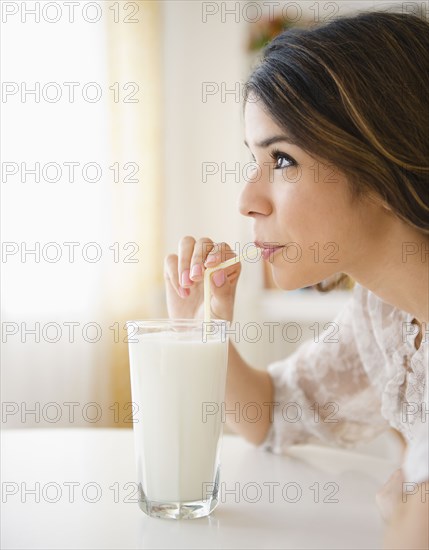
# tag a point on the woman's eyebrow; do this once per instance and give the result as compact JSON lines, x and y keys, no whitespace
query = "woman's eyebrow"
{"x":269,"y":141}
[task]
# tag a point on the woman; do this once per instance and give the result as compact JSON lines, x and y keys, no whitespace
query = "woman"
{"x":337,"y":120}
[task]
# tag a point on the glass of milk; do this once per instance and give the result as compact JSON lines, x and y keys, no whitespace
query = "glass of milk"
{"x":178,"y":374}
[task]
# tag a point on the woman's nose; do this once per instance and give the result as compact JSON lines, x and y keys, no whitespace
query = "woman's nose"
{"x":252,"y":200}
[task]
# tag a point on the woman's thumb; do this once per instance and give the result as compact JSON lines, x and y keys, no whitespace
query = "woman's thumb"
{"x":221,"y":287}
{"x":219,"y":278}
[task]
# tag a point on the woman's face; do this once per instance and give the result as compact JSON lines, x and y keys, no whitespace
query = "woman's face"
{"x":305,"y":205}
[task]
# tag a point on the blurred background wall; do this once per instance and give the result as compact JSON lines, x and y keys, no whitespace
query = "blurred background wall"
{"x":124,"y":133}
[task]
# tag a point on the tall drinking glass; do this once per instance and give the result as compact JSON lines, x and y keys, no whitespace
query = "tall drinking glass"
{"x":178,"y":374}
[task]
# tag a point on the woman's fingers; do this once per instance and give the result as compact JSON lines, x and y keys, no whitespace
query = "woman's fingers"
{"x":171,"y":275}
{"x":221,"y":253}
{"x":201,"y":250}
{"x":193,"y":258}
{"x":184,"y":274}
{"x":186,"y":249}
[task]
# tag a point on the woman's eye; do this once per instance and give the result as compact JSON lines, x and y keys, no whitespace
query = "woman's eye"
{"x":282,"y":160}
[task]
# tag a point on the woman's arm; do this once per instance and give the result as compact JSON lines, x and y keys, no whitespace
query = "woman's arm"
{"x":320,"y":392}
{"x":246,"y":384}
{"x":408,"y":526}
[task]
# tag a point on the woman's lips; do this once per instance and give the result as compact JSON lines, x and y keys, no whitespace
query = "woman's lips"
{"x":267,"y":253}
{"x":268,"y":250}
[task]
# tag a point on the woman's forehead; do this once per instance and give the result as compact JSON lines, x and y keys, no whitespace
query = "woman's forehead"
{"x":258,"y":123}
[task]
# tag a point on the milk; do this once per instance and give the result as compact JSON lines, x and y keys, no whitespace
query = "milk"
{"x":177,"y":446}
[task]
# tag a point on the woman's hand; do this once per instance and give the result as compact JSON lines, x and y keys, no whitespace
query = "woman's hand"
{"x":184,"y":277}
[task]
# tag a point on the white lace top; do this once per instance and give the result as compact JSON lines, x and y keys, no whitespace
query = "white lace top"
{"x":350,"y":386}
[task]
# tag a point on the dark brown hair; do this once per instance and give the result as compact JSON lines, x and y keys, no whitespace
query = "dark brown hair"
{"x":355,"y":92}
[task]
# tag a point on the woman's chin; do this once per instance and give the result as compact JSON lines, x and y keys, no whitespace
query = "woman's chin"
{"x":290,"y":281}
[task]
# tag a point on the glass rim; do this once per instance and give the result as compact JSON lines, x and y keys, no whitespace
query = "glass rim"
{"x":166,"y":321}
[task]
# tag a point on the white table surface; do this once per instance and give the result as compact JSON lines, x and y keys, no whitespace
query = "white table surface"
{"x":103,"y":457}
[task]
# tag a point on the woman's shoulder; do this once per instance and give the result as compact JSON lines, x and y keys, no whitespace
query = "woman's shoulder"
{"x":386,"y":339}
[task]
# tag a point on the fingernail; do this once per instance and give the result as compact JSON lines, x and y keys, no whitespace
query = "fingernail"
{"x":196,"y":271}
{"x":219,"y":277}
{"x":212,"y":258}
{"x":184,"y":292}
{"x":185,"y":280}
